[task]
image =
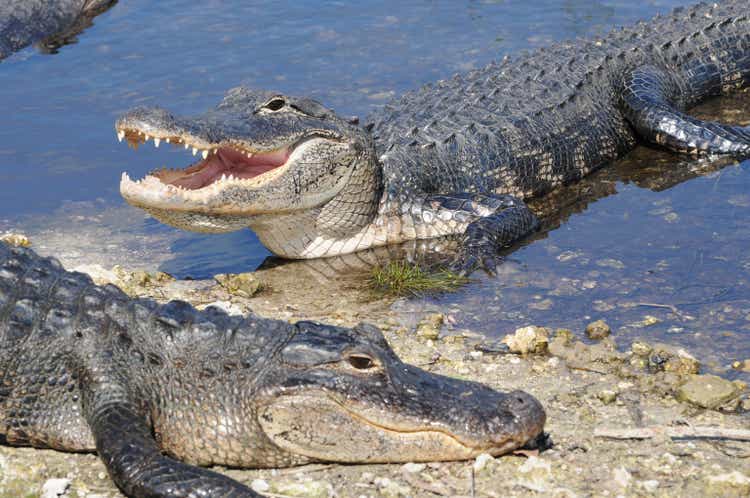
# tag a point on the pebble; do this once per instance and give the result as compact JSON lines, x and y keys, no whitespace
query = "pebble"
{"x":707,"y":391}
{"x":530,"y":339}
{"x":240,"y":284}
{"x":598,"y":330}
{"x":414,"y":468}
{"x":16,"y":239}
{"x":743,"y":366}
{"x":260,"y":485}
{"x":607,"y":396}
{"x":649,"y":486}
{"x":55,"y":487}
{"x":622,"y":477}
{"x":640,"y":348}
{"x":481,"y":461}
{"x":733,"y":483}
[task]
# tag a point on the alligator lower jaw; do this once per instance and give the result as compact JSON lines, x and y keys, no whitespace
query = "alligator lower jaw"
{"x":222,"y":166}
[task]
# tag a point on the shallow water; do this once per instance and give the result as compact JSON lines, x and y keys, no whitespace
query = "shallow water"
{"x":60,"y":161}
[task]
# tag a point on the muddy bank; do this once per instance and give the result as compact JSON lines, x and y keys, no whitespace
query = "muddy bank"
{"x":585,"y":385}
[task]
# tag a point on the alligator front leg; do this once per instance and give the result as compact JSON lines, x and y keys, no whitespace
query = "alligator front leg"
{"x":494,"y":221}
{"x":133,"y":459}
{"x":649,"y":100}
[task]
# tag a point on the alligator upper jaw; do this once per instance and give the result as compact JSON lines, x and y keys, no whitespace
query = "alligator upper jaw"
{"x":222,"y":165}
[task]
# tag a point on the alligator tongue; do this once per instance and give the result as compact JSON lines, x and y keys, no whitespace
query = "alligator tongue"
{"x":226,"y":161}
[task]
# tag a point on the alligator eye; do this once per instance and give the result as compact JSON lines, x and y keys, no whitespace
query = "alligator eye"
{"x":275,"y":104}
{"x":361,"y":362}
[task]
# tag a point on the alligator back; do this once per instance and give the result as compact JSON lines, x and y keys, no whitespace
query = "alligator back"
{"x":41,"y":321}
{"x":527,"y":125}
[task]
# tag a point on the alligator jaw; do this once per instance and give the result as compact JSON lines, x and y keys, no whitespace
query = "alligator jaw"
{"x":223,"y":165}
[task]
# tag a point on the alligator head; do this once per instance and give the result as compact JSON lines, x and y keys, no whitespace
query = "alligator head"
{"x":262,"y":156}
{"x":346,"y":397}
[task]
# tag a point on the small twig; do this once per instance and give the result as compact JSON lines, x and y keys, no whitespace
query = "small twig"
{"x":683,"y":432}
{"x":473,"y":484}
{"x":670,"y":307}
{"x":574,"y":366}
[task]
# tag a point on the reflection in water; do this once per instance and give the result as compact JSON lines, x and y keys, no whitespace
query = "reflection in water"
{"x":49,"y":24}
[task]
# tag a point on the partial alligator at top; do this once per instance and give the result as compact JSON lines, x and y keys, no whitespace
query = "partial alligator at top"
{"x":85,"y":368}
{"x":53,"y":22}
{"x":455,"y":157}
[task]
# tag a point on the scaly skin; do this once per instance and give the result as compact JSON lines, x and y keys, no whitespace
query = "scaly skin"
{"x":456,"y":157}
{"x":23,"y":22}
{"x":149,"y":386}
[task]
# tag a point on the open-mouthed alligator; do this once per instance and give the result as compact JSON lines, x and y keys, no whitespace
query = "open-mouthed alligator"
{"x":456,"y":157}
{"x":85,"y":368}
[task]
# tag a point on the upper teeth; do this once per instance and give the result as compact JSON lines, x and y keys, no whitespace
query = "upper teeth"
{"x":157,"y":142}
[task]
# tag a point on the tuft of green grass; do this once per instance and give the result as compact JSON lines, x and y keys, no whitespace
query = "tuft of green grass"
{"x":400,"y":279}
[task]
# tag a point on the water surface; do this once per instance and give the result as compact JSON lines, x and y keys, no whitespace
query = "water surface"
{"x":677,"y":253}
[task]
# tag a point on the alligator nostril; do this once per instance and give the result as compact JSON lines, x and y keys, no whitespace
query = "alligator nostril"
{"x":520,"y":400}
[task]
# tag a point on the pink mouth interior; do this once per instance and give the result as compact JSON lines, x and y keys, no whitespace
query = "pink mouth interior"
{"x":226,"y":161}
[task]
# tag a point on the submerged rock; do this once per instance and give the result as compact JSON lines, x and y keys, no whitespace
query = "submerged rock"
{"x":598,"y":330}
{"x":429,"y":327}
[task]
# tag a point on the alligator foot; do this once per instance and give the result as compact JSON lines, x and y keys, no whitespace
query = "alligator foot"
{"x":125,"y":443}
{"x":500,"y":221}
{"x":649,"y":100}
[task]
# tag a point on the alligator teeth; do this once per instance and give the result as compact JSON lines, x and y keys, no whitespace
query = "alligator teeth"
{"x":186,"y":145}
{"x":120,"y":135}
{"x":195,"y":150}
{"x":223,"y":177}
{"x":157,"y":141}
{"x":166,"y":140}
{"x":204,"y":154}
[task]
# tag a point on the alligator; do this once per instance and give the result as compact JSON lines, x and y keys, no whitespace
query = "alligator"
{"x":456,"y":157}
{"x":150,"y":386}
{"x":53,"y":22}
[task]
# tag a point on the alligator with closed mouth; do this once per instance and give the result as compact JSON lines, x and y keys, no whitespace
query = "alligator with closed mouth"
{"x":150,"y":386}
{"x":51,"y":22}
{"x":455,"y":157}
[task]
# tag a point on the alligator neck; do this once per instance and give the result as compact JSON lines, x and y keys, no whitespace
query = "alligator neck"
{"x":349,"y":216}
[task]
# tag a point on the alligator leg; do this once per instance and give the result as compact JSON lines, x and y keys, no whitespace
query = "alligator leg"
{"x":125,"y":444}
{"x":649,"y":100}
{"x":498,"y":221}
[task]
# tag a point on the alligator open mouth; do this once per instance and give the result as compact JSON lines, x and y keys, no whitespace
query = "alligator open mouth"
{"x":223,"y":162}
